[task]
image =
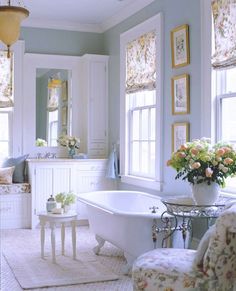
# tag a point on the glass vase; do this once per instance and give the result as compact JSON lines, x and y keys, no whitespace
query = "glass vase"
{"x":71,"y":152}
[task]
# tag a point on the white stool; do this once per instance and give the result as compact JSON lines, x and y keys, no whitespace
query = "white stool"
{"x":45,"y":217}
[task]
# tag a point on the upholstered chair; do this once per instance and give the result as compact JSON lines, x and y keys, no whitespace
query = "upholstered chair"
{"x":212,"y":267}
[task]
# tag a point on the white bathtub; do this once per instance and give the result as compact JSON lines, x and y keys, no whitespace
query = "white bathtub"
{"x":124,"y":219}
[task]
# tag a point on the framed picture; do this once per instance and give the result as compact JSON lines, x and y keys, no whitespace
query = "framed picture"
{"x":180,"y":94}
{"x":180,"y":46}
{"x":180,"y":134}
{"x":64,"y":115}
{"x":64,"y":91}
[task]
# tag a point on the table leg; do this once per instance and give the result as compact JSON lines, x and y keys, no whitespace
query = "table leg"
{"x":63,"y":239}
{"x":42,"y":237}
{"x":73,"y":225}
{"x":52,"y":226}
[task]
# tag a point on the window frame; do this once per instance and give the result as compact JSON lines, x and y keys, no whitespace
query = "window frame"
{"x":153,"y":23}
{"x":209,"y":103}
{"x":9,"y":113}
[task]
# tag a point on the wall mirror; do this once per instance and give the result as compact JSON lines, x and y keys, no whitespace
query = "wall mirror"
{"x":53,"y":104}
{"x":51,"y":98}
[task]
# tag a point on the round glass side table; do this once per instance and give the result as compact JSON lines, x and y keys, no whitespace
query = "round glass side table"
{"x":186,"y":209}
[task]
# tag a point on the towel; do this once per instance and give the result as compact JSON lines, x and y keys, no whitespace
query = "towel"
{"x":112,"y":166}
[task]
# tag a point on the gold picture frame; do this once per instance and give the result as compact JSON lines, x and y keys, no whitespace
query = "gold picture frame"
{"x":180,"y":46}
{"x":180,"y":134}
{"x":180,"y":94}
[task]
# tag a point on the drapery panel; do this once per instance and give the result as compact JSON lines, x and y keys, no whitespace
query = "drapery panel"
{"x":54,"y":91}
{"x":6,"y":80}
{"x":224,"y":17}
{"x":141,"y":63}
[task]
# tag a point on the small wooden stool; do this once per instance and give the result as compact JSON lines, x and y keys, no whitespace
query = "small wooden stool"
{"x":45,"y":217}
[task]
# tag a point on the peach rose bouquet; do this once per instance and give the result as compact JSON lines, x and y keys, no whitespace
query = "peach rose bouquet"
{"x":198,"y":162}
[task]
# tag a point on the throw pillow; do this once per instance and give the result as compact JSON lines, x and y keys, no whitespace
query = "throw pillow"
{"x":202,"y":247}
{"x":19,"y":164}
{"x":6,"y":175}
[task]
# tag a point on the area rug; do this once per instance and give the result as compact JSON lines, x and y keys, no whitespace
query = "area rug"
{"x":33,"y":272}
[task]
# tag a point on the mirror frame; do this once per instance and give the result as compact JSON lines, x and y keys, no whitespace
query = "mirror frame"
{"x":31,"y":63}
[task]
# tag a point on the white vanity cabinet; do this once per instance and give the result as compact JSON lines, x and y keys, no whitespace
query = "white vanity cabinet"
{"x":51,"y":176}
{"x":91,"y":177}
{"x":94,"y":84}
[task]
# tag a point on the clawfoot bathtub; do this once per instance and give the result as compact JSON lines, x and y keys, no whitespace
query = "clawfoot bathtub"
{"x":125,"y":219}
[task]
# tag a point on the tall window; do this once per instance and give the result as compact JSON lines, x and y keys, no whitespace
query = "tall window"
{"x":224,"y":61}
{"x":6,"y":103}
{"x":140,"y":104}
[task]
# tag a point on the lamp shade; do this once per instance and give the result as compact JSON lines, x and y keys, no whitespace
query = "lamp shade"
{"x":10,"y":20}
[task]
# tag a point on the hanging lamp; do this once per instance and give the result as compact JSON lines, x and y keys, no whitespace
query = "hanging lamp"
{"x":10,"y":20}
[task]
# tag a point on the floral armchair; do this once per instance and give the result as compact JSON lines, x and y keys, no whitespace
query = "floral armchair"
{"x":211,"y":267}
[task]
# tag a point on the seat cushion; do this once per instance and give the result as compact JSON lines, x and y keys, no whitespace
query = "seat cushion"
{"x":165,"y":269}
{"x":14,"y":188}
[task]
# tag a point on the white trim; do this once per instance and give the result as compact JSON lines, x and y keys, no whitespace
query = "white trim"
{"x":115,"y":19}
{"x":125,"y":13}
{"x":31,"y":63}
{"x":62,"y":25}
{"x":142,"y":182}
{"x":207,"y":104}
{"x":155,"y":22}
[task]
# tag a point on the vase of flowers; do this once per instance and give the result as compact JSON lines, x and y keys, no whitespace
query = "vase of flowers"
{"x":71,"y":142}
{"x":66,"y":200}
{"x":205,"y":167}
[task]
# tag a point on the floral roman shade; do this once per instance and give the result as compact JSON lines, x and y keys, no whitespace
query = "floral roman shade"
{"x":6,"y":77}
{"x":141,"y":63}
{"x":54,"y":91}
{"x":224,"y":16}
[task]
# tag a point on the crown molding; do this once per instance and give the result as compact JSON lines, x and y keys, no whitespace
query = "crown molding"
{"x":62,"y":25}
{"x":125,"y":13}
{"x":97,"y":28}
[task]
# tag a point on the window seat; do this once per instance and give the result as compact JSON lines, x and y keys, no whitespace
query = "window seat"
{"x":15,"y":188}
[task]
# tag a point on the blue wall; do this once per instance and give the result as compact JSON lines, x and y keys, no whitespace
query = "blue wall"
{"x":62,"y":42}
{"x":175,"y":13}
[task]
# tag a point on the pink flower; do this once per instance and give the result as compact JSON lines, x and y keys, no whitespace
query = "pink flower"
{"x":181,"y":154}
{"x":228,"y":161}
{"x":168,"y":163}
{"x":196,"y":165}
{"x":220,"y":152}
{"x":227,"y":149}
{"x":194,"y":151}
{"x":183,"y":147}
{"x":208,"y":172}
{"x":225,"y":170}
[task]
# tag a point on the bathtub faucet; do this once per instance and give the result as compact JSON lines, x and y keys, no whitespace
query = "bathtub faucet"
{"x":153,"y":208}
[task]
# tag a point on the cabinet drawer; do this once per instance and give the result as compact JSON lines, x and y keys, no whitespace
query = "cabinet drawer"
{"x":92,"y":167}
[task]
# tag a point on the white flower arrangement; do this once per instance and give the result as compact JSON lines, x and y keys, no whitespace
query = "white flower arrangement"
{"x":69,"y":141}
{"x":41,"y":142}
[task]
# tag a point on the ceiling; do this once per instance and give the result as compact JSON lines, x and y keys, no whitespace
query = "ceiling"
{"x":81,"y":15}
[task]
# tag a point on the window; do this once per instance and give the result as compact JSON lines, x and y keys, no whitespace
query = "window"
{"x":226,"y":109}
{"x":52,"y":128}
{"x":141,"y":104}
{"x":6,"y":103}
{"x":224,"y":59}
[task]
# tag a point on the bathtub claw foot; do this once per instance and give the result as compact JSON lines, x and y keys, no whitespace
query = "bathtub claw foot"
{"x":101,"y":243}
{"x":126,"y":270}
